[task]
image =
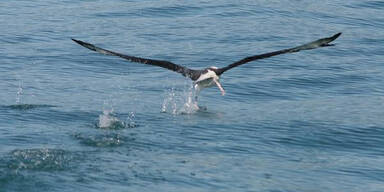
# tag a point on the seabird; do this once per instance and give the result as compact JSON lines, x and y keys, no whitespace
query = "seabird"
{"x":210,"y":76}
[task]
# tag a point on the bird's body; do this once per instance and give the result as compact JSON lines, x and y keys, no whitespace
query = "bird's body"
{"x":208,"y":79}
{"x":210,"y":76}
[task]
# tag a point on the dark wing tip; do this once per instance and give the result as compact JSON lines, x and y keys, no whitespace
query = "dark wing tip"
{"x":325,"y":42}
{"x":335,"y":36}
{"x":85,"y":44}
{"x":79,"y":42}
{"x":75,"y":40}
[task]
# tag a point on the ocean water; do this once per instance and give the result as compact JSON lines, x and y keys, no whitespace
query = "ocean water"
{"x":75,"y":120}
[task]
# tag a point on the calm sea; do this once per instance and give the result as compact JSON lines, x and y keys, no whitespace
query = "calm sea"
{"x":75,"y":120}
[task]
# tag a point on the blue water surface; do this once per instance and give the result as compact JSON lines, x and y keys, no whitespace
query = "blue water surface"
{"x":75,"y":120}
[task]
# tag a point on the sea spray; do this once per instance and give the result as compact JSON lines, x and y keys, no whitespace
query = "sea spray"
{"x":108,"y":119}
{"x":19,"y":92}
{"x":184,"y":102}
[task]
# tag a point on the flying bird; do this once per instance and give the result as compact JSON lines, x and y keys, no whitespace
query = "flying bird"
{"x":208,"y":77}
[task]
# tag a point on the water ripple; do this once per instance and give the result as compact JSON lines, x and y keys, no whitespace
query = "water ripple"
{"x":102,"y":140}
{"x":39,"y":159}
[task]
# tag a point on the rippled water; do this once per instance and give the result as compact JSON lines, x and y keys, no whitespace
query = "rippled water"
{"x":75,"y":120}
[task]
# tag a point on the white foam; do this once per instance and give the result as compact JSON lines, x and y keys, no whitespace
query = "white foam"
{"x":180,"y":102}
{"x":19,"y":92}
{"x":107,"y":119}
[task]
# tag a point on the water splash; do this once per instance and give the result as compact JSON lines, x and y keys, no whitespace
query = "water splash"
{"x":190,"y":103}
{"x":184,"y":102}
{"x":19,"y":92}
{"x":108,"y":120}
{"x":170,"y":102}
{"x":131,"y":120}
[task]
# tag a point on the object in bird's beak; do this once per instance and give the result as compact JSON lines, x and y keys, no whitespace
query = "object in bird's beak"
{"x":220,"y":87}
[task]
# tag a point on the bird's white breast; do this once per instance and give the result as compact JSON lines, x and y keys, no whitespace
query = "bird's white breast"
{"x":206,"y":79}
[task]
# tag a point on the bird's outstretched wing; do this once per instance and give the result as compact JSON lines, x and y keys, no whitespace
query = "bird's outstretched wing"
{"x":165,"y":64}
{"x":312,"y":45}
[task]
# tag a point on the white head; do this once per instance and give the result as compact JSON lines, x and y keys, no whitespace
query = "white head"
{"x":212,"y":67}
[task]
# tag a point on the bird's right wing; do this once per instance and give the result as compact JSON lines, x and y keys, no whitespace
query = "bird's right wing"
{"x":165,"y":64}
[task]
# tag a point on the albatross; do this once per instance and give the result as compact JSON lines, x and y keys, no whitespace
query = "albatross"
{"x":208,"y":77}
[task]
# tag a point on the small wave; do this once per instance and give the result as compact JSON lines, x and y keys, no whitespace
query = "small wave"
{"x":369,"y":4}
{"x":168,"y":11}
{"x":39,"y":159}
{"x":26,"y":106}
{"x":107,"y":140}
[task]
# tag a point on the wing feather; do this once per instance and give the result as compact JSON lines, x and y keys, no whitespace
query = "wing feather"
{"x":312,"y":45}
{"x":161,"y":63}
